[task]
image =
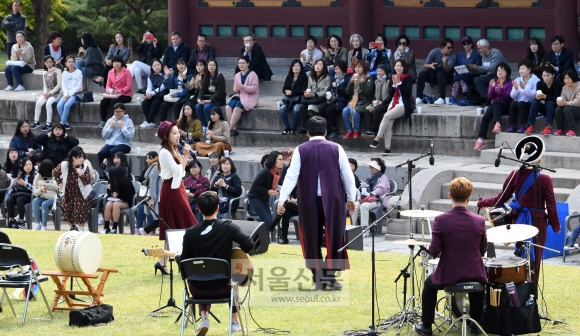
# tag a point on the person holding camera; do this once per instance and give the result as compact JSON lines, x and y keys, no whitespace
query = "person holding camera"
{"x":149,"y":50}
{"x":378,"y":54}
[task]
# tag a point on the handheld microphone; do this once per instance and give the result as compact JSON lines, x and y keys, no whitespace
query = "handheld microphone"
{"x":498,"y":160}
{"x":145,"y":200}
{"x":432,"y":159}
{"x":191,"y":152}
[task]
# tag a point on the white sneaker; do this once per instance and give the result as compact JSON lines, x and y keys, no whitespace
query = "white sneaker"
{"x":439,"y":101}
{"x":203,"y":327}
{"x":568,"y":248}
{"x":101,"y":221}
{"x":142,"y":231}
{"x":19,"y":88}
{"x":152,"y":125}
{"x":43,"y":228}
{"x":144,"y":124}
{"x":418,"y":101}
{"x":36,"y":227}
{"x":9,"y":88}
{"x":236,"y":328}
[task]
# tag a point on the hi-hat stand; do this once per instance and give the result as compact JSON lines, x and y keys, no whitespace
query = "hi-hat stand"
{"x":372,"y":330}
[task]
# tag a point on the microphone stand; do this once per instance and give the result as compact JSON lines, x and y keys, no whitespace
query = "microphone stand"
{"x":410,"y":167}
{"x":171,"y":300}
{"x":372,"y":330}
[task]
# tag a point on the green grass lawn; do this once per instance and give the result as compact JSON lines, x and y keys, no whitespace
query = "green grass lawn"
{"x":134,"y":292}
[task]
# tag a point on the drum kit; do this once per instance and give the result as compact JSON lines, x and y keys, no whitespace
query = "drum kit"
{"x":499,"y":270}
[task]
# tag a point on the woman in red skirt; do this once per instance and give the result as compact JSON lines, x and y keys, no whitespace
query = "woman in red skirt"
{"x":173,"y":203}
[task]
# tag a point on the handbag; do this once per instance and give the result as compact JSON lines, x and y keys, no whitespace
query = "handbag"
{"x":313,"y":100}
{"x":293,"y":100}
{"x":170,"y":99}
{"x":91,"y":316}
{"x":82,"y":98}
{"x":367,"y":199}
{"x":16,"y":63}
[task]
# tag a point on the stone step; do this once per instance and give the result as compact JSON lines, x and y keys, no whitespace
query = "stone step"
{"x":486,"y":190}
{"x":561,"y":144}
{"x":444,"y":204}
{"x":552,"y":160}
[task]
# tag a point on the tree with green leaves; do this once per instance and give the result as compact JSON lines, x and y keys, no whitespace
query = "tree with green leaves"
{"x":103,"y":17}
{"x":42,"y":17}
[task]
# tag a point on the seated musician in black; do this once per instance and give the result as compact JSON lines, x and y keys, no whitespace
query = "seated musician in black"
{"x":212,"y":238}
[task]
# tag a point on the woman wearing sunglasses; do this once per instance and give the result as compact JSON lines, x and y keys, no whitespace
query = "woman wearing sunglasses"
{"x":406,"y":54}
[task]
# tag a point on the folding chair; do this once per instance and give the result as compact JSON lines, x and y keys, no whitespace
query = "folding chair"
{"x":4,"y":239}
{"x":15,"y":256}
{"x":56,"y":215}
{"x":206,"y":270}
{"x":99,"y":193}
{"x":228,"y":215}
{"x":127,"y":211}
{"x":2,"y":205}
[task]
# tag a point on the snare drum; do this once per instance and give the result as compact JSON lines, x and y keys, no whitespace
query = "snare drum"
{"x":504,"y":270}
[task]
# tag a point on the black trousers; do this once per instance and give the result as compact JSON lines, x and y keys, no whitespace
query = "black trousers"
{"x":521,"y":109}
{"x":291,"y":210}
{"x":18,"y":199}
{"x":494,"y":111}
{"x":429,"y":301}
{"x":151,"y":106}
{"x":377,"y":116}
{"x":105,"y":74}
{"x":441,"y":78}
{"x":330,"y":113}
{"x":106,"y":102}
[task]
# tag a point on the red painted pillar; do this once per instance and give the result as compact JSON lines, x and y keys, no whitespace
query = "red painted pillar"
{"x":361,"y":21}
{"x":566,"y":16}
{"x":178,"y":15}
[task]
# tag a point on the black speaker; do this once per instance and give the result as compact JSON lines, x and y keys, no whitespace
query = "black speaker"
{"x":257,"y":232}
{"x":351,"y":232}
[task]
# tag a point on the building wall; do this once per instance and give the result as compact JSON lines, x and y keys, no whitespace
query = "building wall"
{"x":282,"y":25}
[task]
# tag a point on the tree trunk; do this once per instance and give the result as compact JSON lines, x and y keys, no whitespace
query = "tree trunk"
{"x":41,"y":17}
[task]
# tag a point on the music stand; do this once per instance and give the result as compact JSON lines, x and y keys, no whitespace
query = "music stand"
{"x":173,"y":242}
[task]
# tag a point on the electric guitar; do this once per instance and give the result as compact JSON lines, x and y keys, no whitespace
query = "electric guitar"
{"x":242,"y":265}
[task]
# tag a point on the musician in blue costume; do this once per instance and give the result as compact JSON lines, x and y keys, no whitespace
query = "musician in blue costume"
{"x":540,"y":210}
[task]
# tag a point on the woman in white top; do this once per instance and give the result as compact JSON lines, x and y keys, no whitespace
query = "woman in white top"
{"x":72,"y":82}
{"x":52,"y":82}
{"x":173,"y":203}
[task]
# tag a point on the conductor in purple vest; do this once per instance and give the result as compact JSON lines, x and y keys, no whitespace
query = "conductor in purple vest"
{"x":322,"y":172}
{"x":459,"y":236}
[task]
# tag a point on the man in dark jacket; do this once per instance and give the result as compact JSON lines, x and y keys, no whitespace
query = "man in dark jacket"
{"x":559,"y":57}
{"x":13,"y":23}
{"x":460,"y":237}
{"x":203,"y":51}
{"x":258,"y":62}
{"x":175,"y":51}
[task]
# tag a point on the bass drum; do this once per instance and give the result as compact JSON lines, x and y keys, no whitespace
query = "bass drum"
{"x":79,"y":252}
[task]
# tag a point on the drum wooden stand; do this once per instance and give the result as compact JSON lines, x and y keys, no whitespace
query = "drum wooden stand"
{"x":61,"y":278}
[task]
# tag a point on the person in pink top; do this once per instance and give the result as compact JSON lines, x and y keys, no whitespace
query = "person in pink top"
{"x":498,"y":92}
{"x":246,"y":90}
{"x":119,"y":88}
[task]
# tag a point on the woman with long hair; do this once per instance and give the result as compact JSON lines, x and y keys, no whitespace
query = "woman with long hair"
{"x":91,"y":64}
{"x":24,"y":140}
{"x":119,"y":160}
{"x":154,"y":94}
{"x":537,"y":55}
{"x":22,"y":50}
{"x":334,"y":52}
{"x":150,"y":179}
{"x":189,"y":124}
{"x":174,"y":81}
{"x":20,"y":194}
{"x":52,"y":83}
{"x":44,"y":192}
{"x":193,"y":86}
{"x":56,"y":143}
{"x":74,"y":179}
{"x":72,"y":83}
{"x":120,"y":194}
{"x":218,"y":133}
{"x":295,"y":84}
{"x":246,"y":93}
{"x":13,"y":163}
{"x":214,"y":165}
{"x":400,"y":104}
{"x":338,"y":99}
{"x":211,"y":93}
{"x":120,"y":48}
{"x":173,"y":198}
{"x":319,"y":82}
{"x":264,"y":186}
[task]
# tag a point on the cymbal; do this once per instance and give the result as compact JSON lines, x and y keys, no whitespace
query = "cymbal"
{"x":410,"y":242}
{"x":418,"y":213}
{"x":515,"y":233}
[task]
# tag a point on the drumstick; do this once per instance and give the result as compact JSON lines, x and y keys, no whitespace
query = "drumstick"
{"x":492,"y":297}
